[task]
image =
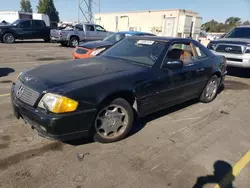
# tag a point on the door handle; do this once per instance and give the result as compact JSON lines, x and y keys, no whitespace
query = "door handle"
{"x":200,"y":70}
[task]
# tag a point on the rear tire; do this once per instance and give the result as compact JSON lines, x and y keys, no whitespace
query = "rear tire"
{"x":8,"y":38}
{"x":211,"y":90}
{"x":74,"y":42}
{"x":113,"y":121}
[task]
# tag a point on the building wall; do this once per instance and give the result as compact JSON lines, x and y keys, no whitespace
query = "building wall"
{"x":147,"y":21}
{"x":9,"y":16}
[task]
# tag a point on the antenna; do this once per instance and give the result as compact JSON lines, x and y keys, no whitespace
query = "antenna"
{"x":85,"y":10}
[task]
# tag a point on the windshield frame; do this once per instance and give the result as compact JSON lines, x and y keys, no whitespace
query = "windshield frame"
{"x":233,"y":30}
{"x":160,"y":57}
{"x":114,"y":35}
{"x":15,"y":24}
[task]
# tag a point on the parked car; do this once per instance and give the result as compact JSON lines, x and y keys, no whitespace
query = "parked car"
{"x":90,"y":49}
{"x":101,"y":96}
{"x":79,"y":33}
{"x":235,"y":46}
{"x":24,"y":29}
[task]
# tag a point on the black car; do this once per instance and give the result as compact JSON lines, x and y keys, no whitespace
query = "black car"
{"x":24,"y":29}
{"x":101,"y":96}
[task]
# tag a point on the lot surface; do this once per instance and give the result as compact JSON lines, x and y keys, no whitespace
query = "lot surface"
{"x":170,"y":149}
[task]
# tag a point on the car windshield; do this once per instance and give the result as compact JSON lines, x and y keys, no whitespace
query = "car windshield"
{"x":114,"y":38}
{"x":15,"y":23}
{"x":140,"y":51}
{"x":239,"y":33}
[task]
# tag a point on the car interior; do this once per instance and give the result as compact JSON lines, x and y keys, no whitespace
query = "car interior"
{"x":180,"y":51}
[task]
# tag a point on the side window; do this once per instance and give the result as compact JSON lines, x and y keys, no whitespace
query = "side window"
{"x":99,"y":28}
{"x":79,"y":27}
{"x":38,"y":23}
{"x":181,"y":51}
{"x":25,"y":24}
{"x":90,"y":28}
{"x":199,"y":53}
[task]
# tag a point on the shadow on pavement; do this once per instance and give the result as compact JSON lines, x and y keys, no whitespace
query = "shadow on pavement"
{"x":223,"y":176}
{"x":29,"y":41}
{"x":238,"y":72}
{"x":140,"y":123}
{"x":6,"y":71}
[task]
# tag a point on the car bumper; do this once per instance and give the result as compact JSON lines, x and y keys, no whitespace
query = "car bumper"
{"x":76,"y":55}
{"x":53,"y":126}
{"x":58,"y":39}
{"x":236,"y":60}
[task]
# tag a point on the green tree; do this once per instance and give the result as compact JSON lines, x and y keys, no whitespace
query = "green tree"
{"x":233,"y":21}
{"x":246,"y":23}
{"x":26,"y":6}
{"x":48,"y":7}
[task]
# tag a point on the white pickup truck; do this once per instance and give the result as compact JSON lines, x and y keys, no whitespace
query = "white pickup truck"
{"x":235,"y":46}
{"x":79,"y":33}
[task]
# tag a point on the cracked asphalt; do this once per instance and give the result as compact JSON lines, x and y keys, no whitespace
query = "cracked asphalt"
{"x":189,"y":145}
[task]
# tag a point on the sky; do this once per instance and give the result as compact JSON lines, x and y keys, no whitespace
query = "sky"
{"x":219,"y":10}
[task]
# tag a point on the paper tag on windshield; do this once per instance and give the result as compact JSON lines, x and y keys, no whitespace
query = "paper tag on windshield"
{"x":147,"y":42}
{"x":128,"y":35}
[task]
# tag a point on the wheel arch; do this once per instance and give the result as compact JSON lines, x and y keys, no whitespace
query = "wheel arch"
{"x":74,"y":36}
{"x":10,"y":32}
{"x":129,"y":96}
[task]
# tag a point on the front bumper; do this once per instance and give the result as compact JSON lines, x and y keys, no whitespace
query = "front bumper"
{"x":54,"y":126}
{"x":236,"y":60}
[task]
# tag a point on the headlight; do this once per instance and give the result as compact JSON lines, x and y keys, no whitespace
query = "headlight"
{"x":97,"y":51}
{"x":57,"y":103}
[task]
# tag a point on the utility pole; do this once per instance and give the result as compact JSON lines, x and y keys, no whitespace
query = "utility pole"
{"x":85,"y":10}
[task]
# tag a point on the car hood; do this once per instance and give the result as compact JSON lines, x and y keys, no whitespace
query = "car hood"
{"x":232,"y":41}
{"x":52,"y":75}
{"x":6,"y":26}
{"x":95,"y":44}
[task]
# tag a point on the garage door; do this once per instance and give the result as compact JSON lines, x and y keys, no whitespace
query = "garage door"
{"x":169,"y":26}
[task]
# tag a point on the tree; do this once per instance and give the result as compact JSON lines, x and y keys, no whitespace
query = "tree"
{"x":246,"y":23}
{"x":233,"y":21}
{"x":230,"y":23}
{"x":48,"y":7}
{"x":26,"y":6}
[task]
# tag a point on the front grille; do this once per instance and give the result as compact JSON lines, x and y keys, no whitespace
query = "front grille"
{"x":229,"y":49}
{"x":234,"y":59}
{"x":25,"y":94}
{"x":81,"y":51}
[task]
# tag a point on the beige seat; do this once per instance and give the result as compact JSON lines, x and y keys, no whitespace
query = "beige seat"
{"x":178,"y":54}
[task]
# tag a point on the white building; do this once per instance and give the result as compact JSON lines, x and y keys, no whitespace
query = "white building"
{"x":175,"y":23}
{"x":11,"y":16}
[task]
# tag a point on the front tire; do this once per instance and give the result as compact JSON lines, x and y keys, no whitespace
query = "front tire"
{"x":8,"y":38}
{"x":113,"y":122}
{"x":211,"y":90}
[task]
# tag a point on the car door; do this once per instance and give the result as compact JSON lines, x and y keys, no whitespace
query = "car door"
{"x":39,"y":29}
{"x":188,"y":80}
{"x":100,"y":32}
{"x":91,"y":34}
{"x":25,"y":30}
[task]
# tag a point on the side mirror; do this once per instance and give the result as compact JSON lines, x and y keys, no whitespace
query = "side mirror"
{"x":172,"y":64}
